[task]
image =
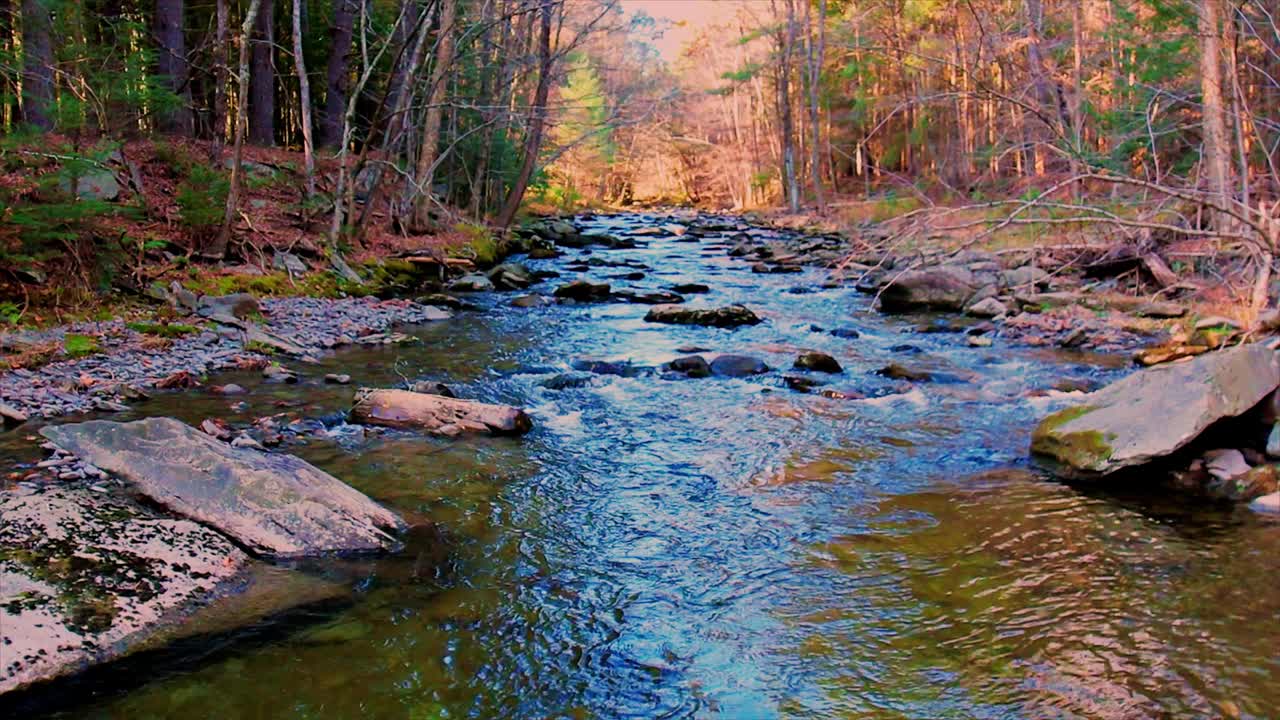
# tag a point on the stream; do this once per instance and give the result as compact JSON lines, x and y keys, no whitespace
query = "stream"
{"x":727,"y":547}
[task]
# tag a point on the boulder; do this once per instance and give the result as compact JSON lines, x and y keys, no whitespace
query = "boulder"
{"x":694,"y":366}
{"x":894,"y":371}
{"x":96,"y":184}
{"x":288,"y":262}
{"x":236,"y":305}
{"x":276,"y":505}
{"x":1155,"y":412}
{"x":738,"y":366}
{"x":1027,"y":277}
{"x":944,"y":287}
{"x":583,"y":291}
{"x":437,"y":414}
{"x":86,"y":577}
{"x":10,"y":415}
{"x":987,"y":308}
{"x":510,"y":276}
{"x":474,"y":282}
{"x":530,"y":301}
{"x":818,"y":361}
{"x":609,"y":367}
{"x":568,"y":381}
{"x":723,"y":317}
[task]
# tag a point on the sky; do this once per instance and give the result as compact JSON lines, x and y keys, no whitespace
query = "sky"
{"x":686,"y":17}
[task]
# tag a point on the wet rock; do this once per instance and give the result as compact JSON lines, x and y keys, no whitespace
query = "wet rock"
{"x":1168,"y":353}
{"x":608,"y":367}
{"x":583,"y":291}
{"x":215,"y":428}
{"x":277,"y":373}
{"x":437,"y":414}
{"x":894,"y":371}
{"x":945,"y":287}
{"x":337,"y":379}
{"x":1246,"y":484}
{"x":690,"y":288}
{"x":568,"y":381}
{"x":987,"y":308}
{"x":1225,"y":464}
{"x":724,"y":317}
{"x":474,"y":282}
{"x":510,"y":276}
{"x":276,"y":505}
{"x":633,"y":275}
{"x":530,"y":301}
{"x":800,"y":383}
{"x":738,"y":366}
{"x":774,"y":268}
{"x":445,"y":301}
{"x":432,"y":387}
{"x":694,"y":366}
{"x":818,"y":362}
{"x":979,"y":341}
{"x":1153,"y":413}
{"x":86,"y":578}
{"x":656,"y":297}
{"x":1267,"y":504}
{"x":1273,"y":441}
{"x":228,"y":389}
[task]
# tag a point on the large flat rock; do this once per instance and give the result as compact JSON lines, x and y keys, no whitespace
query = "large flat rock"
{"x":274,"y":504}
{"x":85,"y":578}
{"x":1155,"y":412}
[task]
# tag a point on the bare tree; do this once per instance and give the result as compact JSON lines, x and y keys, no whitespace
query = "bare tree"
{"x":172,"y":62}
{"x":423,"y":174}
{"x":37,"y":64}
{"x":304,"y":99}
{"x":537,"y":119}
{"x":219,"y":247}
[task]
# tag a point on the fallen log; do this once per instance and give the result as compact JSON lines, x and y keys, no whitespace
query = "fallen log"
{"x":436,"y":413}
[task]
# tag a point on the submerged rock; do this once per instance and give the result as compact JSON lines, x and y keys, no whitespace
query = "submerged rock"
{"x":738,"y":366}
{"x":436,"y":413}
{"x":274,"y":504}
{"x":652,"y":297}
{"x":1155,"y":412}
{"x":691,"y":288}
{"x":86,"y":577}
{"x":694,"y":366}
{"x":729,"y":316}
{"x":818,"y":361}
{"x":583,"y":291}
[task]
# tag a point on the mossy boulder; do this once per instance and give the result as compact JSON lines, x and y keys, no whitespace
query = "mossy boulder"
{"x":1155,"y":412}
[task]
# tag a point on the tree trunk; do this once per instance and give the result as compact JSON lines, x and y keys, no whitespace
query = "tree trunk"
{"x":304,"y":100}
{"x":1215,"y":151}
{"x":172,"y":64}
{"x":335,"y":94}
{"x":815,"y":126}
{"x":423,"y":175}
{"x":220,"y":77}
{"x":262,"y":87}
{"x":219,"y":247}
{"x":791,"y":186}
{"x":37,"y":64}
{"x":533,"y":140}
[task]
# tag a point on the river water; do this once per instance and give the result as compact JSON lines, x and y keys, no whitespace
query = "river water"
{"x":728,"y":547}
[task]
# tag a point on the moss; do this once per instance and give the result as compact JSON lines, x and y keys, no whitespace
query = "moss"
{"x":167,"y":330}
{"x":259,"y":347}
{"x":76,"y":345}
{"x":479,"y":245}
{"x":1082,"y":450}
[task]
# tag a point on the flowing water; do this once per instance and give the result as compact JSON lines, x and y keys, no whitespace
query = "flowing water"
{"x":730,"y":548}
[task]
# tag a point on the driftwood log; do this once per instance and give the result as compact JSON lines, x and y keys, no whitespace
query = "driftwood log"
{"x":436,"y":413}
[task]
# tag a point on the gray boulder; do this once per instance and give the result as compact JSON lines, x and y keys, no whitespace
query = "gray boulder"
{"x":1153,"y":413}
{"x":583,"y":291}
{"x":475,"y":282}
{"x":944,"y":287}
{"x":510,"y":276}
{"x":276,"y":505}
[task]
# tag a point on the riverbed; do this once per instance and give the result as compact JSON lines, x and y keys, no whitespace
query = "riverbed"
{"x":729,"y":547}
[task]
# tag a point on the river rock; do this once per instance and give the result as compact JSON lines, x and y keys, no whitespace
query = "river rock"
{"x":10,"y":415}
{"x":609,"y":367}
{"x":474,"y":282}
{"x":1156,"y":411}
{"x":691,"y":288}
{"x":944,"y":287}
{"x":738,"y":366}
{"x":86,"y":577}
{"x":530,"y":301}
{"x":894,"y":371}
{"x":694,"y":366}
{"x":583,"y":291}
{"x":1269,"y":503}
{"x":724,"y":317}
{"x":276,"y":505}
{"x":654,"y":297}
{"x":437,"y":414}
{"x":818,"y":361}
{"x":987,"y":308}
{"x":510,"y":276}
{"x":236,"y":305}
